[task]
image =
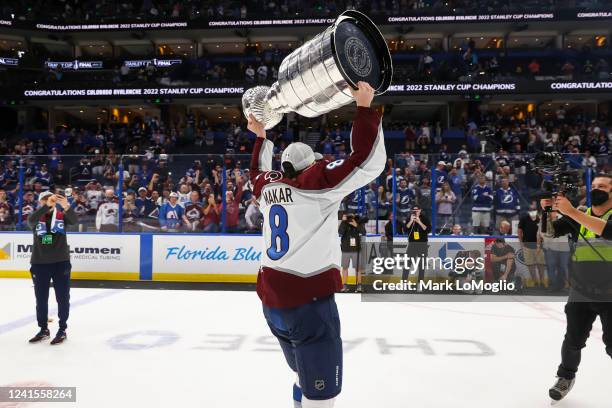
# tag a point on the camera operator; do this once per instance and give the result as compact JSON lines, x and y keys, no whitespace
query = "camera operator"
{"x":590,"y":281}
{"x":51,"y":260}
{"x":350,"y":230}
{"x":597,"y":225}
{"x":417,"y":226}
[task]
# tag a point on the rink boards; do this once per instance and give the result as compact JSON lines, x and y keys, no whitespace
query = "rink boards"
{"x":179,"y":257}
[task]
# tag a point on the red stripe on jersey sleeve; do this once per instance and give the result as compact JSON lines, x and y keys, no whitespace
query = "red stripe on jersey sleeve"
{"x":255,"y":157}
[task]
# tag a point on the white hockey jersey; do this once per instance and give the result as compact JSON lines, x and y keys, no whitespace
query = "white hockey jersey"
{"x":108,"y":213}
{"x":301,"y":254}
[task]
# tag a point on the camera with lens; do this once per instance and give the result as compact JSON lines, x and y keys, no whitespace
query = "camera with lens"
{"x":559,"y":179}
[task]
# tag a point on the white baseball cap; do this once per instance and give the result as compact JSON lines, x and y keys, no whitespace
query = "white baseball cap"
{"x":44,"y":195}
{"x":173,"y":194}
{"x":300,"y":155}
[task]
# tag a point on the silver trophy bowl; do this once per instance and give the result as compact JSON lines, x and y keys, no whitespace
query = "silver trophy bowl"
{"x":315,"y":78}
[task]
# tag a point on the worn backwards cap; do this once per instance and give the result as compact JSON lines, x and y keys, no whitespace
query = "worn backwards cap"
{"x":300,"y":155}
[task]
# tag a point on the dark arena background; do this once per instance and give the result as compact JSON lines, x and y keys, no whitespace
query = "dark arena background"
{"x":122,"y":106}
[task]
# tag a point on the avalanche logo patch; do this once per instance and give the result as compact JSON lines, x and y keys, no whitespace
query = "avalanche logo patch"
{"x":273,"y":176}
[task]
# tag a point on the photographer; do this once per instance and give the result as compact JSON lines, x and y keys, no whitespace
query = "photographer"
{"x":418,"y":226}
{"x":590,"y":283}
{"x":350,"y":230}
{"x":503,"y":261}
{"x":51,"y":261}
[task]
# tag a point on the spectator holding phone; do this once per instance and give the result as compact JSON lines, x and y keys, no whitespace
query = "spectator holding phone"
{"x":51,"y":261}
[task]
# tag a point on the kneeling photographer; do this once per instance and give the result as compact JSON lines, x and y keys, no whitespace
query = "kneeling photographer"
{"x":590,"y":280}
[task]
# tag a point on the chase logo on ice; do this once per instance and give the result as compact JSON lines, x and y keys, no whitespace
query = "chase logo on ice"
{"x":183,"y":253}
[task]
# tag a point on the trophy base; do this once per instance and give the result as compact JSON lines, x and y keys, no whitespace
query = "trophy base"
{"x":254,"y":101}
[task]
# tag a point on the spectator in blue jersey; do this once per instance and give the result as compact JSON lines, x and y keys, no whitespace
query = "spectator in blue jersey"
{"x":140,"y":201}
{"x":171,"y":214}
{"x":29,"y":171}
{"x":327,"y":146}
{"x":404,"y":201}
{"x":370,"y":200}
{"x":352,"y":203}
{"x":441,"y":174}
{"x":43,"y":176}
{"x":150,"y":216}
{"x":455,"y":181}
{"x":339,"y":142}
{"x":482,"y":204}
{"x":507,"y":205}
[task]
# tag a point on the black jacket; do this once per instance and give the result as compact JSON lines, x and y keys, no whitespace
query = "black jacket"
{"x":350,"y":236}
{"x":58,"y":250}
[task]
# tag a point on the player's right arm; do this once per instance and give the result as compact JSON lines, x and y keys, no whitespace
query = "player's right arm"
{"x":261,"y":159}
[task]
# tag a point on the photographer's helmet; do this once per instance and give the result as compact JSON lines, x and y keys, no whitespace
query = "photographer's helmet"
{"x":299,"y":155}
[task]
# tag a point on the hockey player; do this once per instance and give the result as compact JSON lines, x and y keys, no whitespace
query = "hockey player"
{"x":301,"y":255}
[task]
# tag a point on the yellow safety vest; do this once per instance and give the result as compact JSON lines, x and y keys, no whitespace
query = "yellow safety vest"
{"x":584,"y":253}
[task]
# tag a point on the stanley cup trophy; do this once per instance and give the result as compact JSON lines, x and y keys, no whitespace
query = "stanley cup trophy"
{"x":315,"y":78}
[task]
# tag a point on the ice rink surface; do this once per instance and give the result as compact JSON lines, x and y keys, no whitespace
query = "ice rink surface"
{"x":208,"y":349}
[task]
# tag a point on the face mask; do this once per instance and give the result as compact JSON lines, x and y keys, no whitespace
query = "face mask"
{"x":533,"y":214}
{"x":598,"y":197}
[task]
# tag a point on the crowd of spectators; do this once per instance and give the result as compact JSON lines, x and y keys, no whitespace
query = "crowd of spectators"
{"x":208,"y":189}
{"x":486,"y":193}
{"x":467,"y":63}
{"x":428,"y":67}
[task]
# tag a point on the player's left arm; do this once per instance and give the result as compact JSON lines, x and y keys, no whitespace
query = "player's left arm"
{"x":261,"y":159}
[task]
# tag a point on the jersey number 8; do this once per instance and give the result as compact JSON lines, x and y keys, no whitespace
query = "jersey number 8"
{"x":334,"y":164}
{"x":278,"y":229}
